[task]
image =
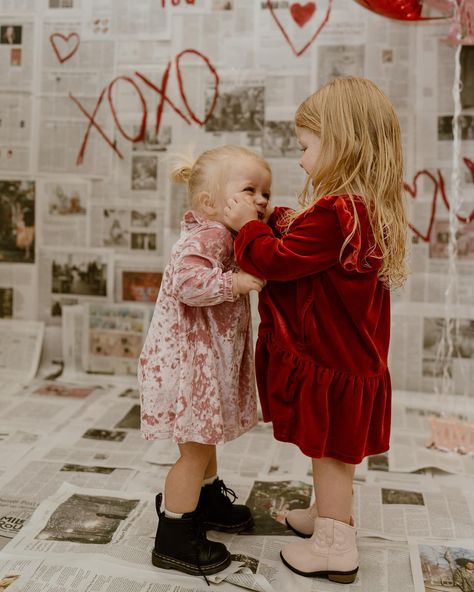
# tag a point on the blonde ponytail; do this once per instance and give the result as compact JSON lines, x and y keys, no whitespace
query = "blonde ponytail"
{"x":181,"y":170}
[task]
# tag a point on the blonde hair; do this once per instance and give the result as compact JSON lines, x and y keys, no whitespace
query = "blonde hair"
{"x":208,"y":172}
{"x":361,"y":156}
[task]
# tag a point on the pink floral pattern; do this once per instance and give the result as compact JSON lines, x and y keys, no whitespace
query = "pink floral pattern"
{"x":196,"y":370}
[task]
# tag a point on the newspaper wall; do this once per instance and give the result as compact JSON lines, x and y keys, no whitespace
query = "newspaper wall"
{"x":96,"y":96}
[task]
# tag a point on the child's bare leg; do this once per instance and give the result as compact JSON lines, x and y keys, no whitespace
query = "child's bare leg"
{"x":180,"y":543}
{"x":184,"y":480}
{"x":331,"y":551}
{"x":333,"y":487}
{"x":211,"y":469}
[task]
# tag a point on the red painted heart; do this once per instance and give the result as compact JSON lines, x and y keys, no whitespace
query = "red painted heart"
{"x":62,"y":47}
{"x":280,"y":25}
{"x":412,"y":190}
{"x":302,"y":13}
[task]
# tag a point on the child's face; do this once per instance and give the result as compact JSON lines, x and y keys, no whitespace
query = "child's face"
{"x":311,"y":145}
{"x":248,"y":178}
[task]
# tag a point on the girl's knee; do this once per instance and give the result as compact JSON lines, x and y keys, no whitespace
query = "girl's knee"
{"x":197,"y":451}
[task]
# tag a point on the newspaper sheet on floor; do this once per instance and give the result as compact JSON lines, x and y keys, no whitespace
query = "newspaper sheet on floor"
{"x":118,"y":527}
{"x":442,"y":565}
{"x":20,"y":349}
{"x":86,"y":573}
{"x":384,"y":569}
{"x":14,"y":513}
{"x":409,"y":453}
{"x":396,"y":511}
{"x":83,"y":443}
{"x":248,"y":456}
{"x":38,"y":414}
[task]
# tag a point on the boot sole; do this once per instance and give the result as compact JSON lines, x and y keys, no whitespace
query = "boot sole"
{"x":341,"y":577}
{"x":165,"y":562}
{"x":229,"y":529}
{"x":297,"y":532}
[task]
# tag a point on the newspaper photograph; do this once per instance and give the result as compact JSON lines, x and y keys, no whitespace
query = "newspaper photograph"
{"x":64,"y":208}
{"x":339,"y":60}
{"x":395,"y":513}
{"x":137,"y":280}
{"x":279,"y":140}
{"x":16,"y":52}
{"x":443,"y":565}
{"x":240,"y":106}
{"x":113,"y":337}
{"x":17,"y":221}
{"x":128,"y":229}
{"x":72,"y":276}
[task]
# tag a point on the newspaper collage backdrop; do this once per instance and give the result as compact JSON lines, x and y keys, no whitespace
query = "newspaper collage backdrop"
{"x":96,"y":96}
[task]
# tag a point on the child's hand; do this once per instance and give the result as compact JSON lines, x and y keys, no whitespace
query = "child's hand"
{"x":243,"y":282}
{"x":239,"y":211}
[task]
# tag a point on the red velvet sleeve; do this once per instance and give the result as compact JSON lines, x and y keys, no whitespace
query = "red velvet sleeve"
{"x":275,"y":220}
{"x":312,"y":244}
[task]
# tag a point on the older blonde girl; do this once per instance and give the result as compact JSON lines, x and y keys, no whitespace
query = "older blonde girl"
{"x":321,"y":355}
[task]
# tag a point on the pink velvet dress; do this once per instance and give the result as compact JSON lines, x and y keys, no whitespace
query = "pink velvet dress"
{"x":196,"y":370}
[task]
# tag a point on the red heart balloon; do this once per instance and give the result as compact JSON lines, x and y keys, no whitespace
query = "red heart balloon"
{"x":403,"y":10}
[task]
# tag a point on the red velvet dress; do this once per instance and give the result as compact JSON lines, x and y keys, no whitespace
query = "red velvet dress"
{"x":321,"y":354}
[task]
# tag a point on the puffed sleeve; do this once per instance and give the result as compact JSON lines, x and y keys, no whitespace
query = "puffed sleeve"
{"x":312,"y":244}
{"x":200,"y":277}
{"x":359,"y":254}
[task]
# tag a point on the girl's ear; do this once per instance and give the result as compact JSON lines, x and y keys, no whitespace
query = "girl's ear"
{"x":206,"y":203}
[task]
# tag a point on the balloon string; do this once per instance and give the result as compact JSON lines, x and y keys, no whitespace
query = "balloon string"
{"x":447,"y":348}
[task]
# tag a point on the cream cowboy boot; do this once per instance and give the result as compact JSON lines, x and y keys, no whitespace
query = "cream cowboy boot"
{"x":331,"y":552}
{"x":301,"y":521}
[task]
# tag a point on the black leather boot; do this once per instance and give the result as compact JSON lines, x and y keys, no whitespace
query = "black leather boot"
{"x":220,"y":512}
{"x":181,"y":544}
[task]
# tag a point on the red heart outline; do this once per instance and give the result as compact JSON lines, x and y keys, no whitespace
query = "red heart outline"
{"x":412,"y":190}
{"x":302,"y":13}
{"x":67,"y":56}
{"x":285,"y":34}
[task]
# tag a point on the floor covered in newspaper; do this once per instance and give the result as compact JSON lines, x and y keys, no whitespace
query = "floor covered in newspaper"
{"x":77,"y":489}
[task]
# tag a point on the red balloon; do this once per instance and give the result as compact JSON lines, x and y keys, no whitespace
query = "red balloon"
{"x":403,"y":10}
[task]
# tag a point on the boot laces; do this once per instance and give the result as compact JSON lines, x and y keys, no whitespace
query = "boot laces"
{"x":226,"y":491}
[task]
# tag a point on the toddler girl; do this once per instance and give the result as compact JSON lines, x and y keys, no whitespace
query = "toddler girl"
{"x":196,"y":373}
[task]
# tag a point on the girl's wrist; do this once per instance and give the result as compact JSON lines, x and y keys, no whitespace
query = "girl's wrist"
{"x":235,"y":285}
